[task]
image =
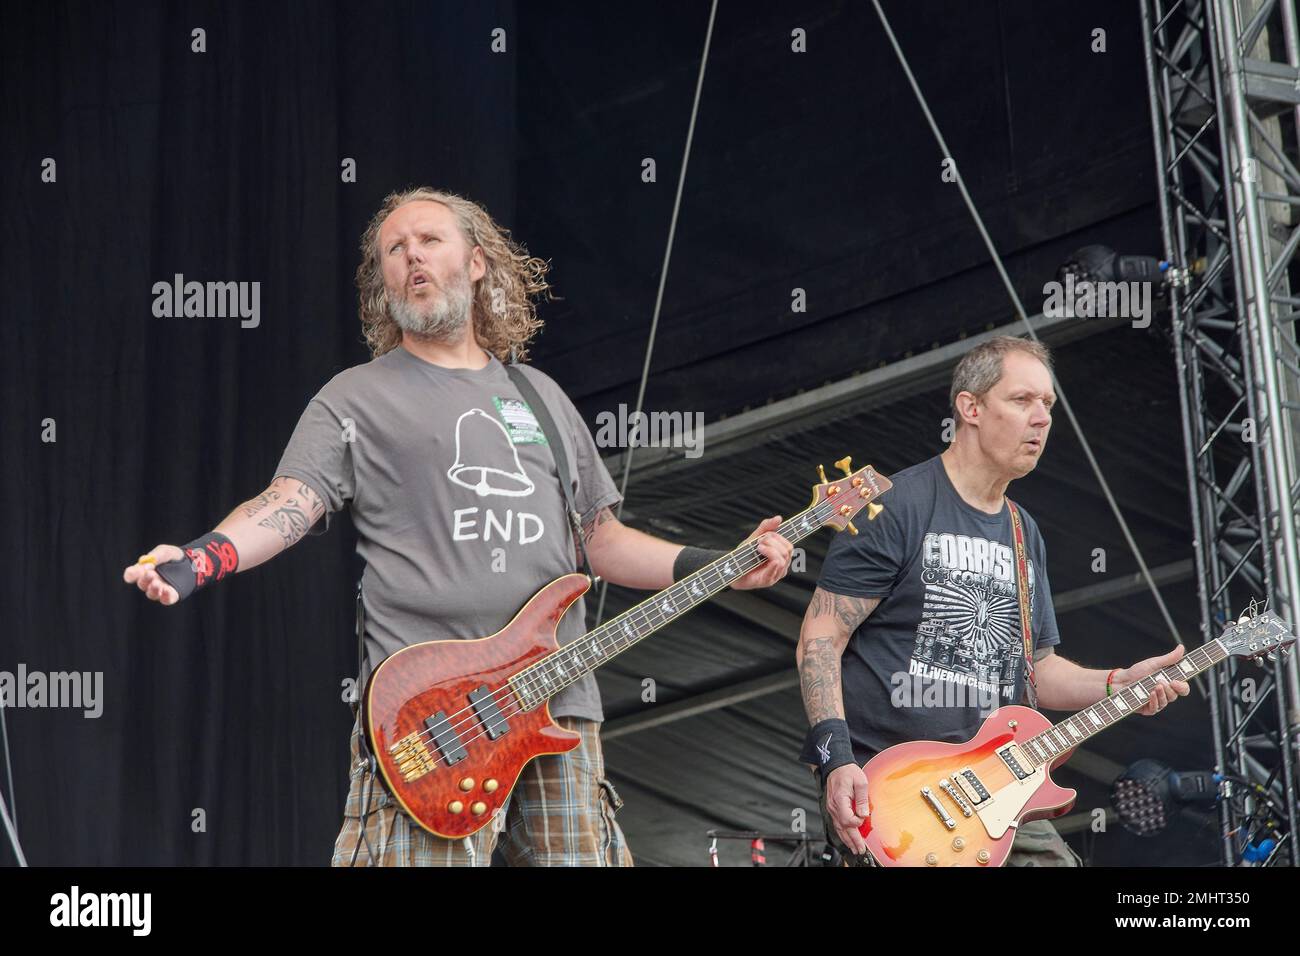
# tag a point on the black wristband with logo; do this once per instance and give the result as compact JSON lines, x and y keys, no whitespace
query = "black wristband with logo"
{"x":828,"y":746}
{"x":207,"y":559}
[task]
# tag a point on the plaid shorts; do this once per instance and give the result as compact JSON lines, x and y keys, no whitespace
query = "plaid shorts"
{"x":1036,"y":844}
{"x":561,"y":813}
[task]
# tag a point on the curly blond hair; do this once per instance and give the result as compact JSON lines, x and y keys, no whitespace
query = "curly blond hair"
{"x":505,"y":315}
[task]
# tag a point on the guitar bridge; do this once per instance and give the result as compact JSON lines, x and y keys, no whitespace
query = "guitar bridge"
{"x":412,"y":757}
{"x":947,"y":787}
{"x":938,"y":809}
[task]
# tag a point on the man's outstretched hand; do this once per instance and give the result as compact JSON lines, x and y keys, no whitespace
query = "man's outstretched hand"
{"x":144,"y":575}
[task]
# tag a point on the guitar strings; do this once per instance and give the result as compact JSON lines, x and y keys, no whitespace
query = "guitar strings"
{"x":1111,"y":713}
{"x":508,"y":695}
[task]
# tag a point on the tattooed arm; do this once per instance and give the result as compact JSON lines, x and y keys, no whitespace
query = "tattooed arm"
{"x":259,"y":529}
{"x":828,"y":624}
{"x":272,"y":522}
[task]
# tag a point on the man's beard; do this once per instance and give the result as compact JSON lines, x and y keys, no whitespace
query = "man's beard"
{"x":443,"y":318}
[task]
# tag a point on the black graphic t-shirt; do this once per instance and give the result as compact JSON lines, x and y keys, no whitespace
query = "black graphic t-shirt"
{"x":943,"y":649}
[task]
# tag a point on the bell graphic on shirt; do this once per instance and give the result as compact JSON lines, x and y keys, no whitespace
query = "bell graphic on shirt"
{"x":498,"y":470}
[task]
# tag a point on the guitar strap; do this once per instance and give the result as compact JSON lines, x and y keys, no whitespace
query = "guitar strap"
{"x":552,"y":435}
{"x":1022,"y":591}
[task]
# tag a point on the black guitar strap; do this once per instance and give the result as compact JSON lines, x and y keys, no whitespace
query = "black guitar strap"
{"x":553,"y":436}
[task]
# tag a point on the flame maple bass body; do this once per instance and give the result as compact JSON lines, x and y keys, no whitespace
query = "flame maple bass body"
{"x":452,"y":723}
{"x":941,"y":804}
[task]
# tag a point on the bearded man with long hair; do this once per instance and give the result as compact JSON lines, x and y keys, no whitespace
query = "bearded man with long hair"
{"x":453,"y":489}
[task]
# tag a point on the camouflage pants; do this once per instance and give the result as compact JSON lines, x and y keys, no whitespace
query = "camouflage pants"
{"x":1037,"y":844}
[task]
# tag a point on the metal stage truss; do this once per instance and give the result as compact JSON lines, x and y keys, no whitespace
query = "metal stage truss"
{"x":1224,"y":81}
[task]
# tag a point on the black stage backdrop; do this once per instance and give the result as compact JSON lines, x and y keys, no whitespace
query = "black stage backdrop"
{"x":222,"y":738}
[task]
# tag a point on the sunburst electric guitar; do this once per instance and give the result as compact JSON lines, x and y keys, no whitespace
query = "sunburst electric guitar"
{"x":452,"y":723}
{"x":941,"y":804}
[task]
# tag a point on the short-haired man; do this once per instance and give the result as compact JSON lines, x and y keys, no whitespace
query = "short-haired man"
{"x":927,"y":594}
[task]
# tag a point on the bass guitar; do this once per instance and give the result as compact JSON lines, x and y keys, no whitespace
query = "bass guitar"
{"x":452,"y":723}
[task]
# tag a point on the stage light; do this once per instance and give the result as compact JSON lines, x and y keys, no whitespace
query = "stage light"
{"x":1148,"y":793}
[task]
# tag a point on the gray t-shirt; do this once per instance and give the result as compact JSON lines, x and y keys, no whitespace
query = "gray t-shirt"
{"x":455,"y":497}
{"x":943,"y":649}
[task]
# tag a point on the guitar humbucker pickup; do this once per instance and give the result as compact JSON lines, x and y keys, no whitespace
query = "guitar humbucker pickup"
{"x":445,"y":737}
{"x":485,"y":706}
{"x":1015,"y":760}
{"x":971,"y":786}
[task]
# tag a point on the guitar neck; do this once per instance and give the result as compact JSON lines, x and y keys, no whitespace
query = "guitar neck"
{"x":1069,"y":733}
{"x":546,"y":678}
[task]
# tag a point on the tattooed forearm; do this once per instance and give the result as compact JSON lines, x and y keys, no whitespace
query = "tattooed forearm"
{"x":290,"y":522}
{"x":819,"y":679}
{"x":828,"y":625}
{"x":260,"y":503}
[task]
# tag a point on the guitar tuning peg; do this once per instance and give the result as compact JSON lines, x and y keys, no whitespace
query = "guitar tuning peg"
{"x":849,"y":525}
{"x":821,"y":473}
{"x":873,"y":509}
{"x":845,"y":465}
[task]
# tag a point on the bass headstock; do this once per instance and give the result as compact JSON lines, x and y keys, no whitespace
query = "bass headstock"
{"x":850,"y":494}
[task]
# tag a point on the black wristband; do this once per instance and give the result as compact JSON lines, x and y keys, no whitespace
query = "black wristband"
{"x":689,"y":560}
{"x":207,"y":559}
{"x":829,"y":741}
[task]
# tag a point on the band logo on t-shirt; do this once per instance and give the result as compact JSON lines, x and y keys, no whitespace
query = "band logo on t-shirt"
{"x":487,"y":462}
{"x":969,"y":632}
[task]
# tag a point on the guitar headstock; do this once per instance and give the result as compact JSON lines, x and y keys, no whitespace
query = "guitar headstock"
{"x":850,"y":494}
{"x":1257,"y":634}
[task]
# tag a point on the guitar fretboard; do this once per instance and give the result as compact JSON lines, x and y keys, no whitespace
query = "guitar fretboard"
{"x":1073,"y":731}
{"x":546,"y":678}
